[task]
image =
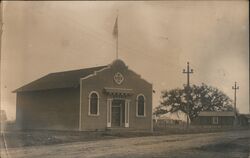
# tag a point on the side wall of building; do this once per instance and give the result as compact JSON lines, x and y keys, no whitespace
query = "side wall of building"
{"x":56,"y":109}
{"x":105,"y":78}
{"x":207,"y":120}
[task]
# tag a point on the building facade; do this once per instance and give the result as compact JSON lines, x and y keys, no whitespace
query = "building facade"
{"x":92,"y":99}
{"x":215,"y":118}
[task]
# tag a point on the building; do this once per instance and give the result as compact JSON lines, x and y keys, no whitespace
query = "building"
{"x":177,"y":118}
{"x":244,"y":119}
{"x":91,"y":99}
{"x":216,"y":118}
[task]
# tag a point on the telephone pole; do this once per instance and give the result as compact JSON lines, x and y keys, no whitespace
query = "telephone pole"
{"x":235,"y":88}
{"x":1,"y":27}
{"x":188,"y":72}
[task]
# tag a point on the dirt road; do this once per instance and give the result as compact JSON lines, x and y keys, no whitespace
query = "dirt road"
{"x":216,"y":145}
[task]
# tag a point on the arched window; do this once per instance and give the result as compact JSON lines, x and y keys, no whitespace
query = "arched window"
{"x":140,"y":105}
{"x":93,"y":103}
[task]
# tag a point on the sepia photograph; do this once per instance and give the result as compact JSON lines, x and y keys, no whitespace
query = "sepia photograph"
{"x":124,"y":79}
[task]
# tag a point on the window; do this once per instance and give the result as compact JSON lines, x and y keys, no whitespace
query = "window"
{"x":215,"y":120}
{"x":93,"y":103}
{"x":140,"y":105}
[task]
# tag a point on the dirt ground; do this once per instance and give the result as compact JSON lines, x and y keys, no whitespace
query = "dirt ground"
{"x":217,"y":145}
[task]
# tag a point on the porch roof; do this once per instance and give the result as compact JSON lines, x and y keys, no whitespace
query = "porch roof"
{"x":118,"y":91}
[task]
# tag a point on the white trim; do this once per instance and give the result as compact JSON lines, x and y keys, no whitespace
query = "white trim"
{"x":120,"y":91}
{"x":108,"y":66}
{"x":118,"y":88}
{"x":152,"y":123}
{"x":109,"y":104}
{"x":137,"y":105}
{"x":95,"y":73}
{"x":98,"y":97}
{"x":80,"y":108}
{"x":127,"y":102}
{"x":121,"y":115}
{"x":110,"y":110}
{"x":128,"y":112}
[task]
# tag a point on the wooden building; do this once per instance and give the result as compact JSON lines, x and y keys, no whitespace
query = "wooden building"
{"x":216,"y":118}
{"x":91,"y":99}
{"x":244,"y":119}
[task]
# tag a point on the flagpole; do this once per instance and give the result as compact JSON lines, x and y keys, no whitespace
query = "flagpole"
{"x":115,"y":34}
{"x":117,"y":39}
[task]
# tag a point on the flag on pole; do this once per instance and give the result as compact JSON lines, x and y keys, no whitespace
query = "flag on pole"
{"x":115,"y":31}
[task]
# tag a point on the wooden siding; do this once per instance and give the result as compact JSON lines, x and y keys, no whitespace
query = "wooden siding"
{"x":208,"y":120}
{"x":49,"y":109}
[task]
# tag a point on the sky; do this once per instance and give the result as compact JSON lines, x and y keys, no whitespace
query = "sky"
{"x":156,"y":39}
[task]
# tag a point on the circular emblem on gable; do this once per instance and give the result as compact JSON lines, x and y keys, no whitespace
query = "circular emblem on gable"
{"x":118,"y":77}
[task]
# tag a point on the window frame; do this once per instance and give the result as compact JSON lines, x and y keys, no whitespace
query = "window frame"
{"x":137,"y":105}
{"x":89,"y":111}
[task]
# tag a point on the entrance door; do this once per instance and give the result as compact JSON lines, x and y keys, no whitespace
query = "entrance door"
{"x":116,"y":116}
{"x":118,"y":113}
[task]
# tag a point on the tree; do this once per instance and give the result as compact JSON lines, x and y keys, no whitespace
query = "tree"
{"x":199,"y":98}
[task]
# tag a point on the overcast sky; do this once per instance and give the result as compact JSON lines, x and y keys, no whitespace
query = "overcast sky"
{"x":156,"y":39}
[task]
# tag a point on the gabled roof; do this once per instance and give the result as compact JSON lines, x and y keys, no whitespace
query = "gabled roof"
{"x":216,"y":113}
{"x":65,"y":79}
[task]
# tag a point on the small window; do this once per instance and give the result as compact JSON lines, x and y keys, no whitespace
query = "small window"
{"x":140,"y":105}
{"x":215,"y":120}
{"x":93,"y":103}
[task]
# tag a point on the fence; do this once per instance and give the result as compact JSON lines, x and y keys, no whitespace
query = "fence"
{"x":176,"y":127}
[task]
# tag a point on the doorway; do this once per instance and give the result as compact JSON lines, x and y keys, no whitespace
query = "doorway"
{"x":118,"y":113}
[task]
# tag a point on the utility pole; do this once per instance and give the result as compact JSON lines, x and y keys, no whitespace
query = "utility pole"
{"x":235,"y":88}
{"x":1,"y":25}
{"x":188,"y":72}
